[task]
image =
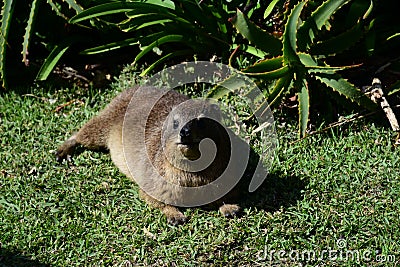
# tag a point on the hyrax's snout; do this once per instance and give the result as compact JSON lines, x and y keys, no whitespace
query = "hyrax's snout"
{"x":191,"y":131}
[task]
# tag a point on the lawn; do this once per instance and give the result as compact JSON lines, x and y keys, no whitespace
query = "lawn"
{"x":330,"y":199}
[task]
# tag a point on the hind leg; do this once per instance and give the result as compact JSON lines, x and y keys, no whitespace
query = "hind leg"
{"x":66,"y":149}
{"x":93,"y":135}
{"x":174,"y":216}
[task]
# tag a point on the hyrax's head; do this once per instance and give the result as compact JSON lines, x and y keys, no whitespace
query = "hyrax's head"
{"x":192,"y":131}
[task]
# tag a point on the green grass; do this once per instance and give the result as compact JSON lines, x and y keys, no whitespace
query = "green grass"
{"x":340,"y":186}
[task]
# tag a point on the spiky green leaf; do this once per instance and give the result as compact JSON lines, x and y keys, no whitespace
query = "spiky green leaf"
{"x":6,"y":15}
{"x":265,"y":65}
{"x":231,"y":84}
{"x":256,"y":35}
{"x":289,"y":36}
{"x":28,"y":31}
{"x":281,"y":87}
{"x":304,"y":107}
{"x":340,"y":42}
{"x":250,"y":49}
{"x":309,"y":29}
{"x":313,"y":65}
{"x":270,"y":75}
{"x":268,"y":69}
{"x":345,"y":88}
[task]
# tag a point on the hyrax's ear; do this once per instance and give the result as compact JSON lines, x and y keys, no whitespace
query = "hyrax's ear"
{"x":214,"y":107}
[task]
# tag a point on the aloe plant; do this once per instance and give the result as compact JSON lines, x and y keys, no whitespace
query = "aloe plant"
{"x":176,"y":28}
{"x":199,"y":29}
{"x":6,"y":14}
{"x":299,"y":58}
{"x":188,"y":27}
{"x":8,"y":11}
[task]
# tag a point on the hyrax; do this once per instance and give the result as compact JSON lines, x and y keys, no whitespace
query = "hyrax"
{"x":170,"y":139}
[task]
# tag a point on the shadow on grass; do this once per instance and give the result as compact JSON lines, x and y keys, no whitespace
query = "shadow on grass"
{"x":277,"y":191}
{"x":13,"y":258}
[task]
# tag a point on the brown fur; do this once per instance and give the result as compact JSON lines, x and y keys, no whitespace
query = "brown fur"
{"x":105,"y":131}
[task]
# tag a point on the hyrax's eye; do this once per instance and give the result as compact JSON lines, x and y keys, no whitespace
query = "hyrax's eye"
{"x":176,"y":124}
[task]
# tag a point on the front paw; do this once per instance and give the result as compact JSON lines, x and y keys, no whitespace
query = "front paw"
{"x":229,"y":210}
{"x":176,"y":219}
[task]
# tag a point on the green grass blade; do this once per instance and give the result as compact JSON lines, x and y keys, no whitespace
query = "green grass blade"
{"x":52,"y":60}
{"x":118,"y":7}
{"x":164,"y":58}
{"x":359,"y":9}
{"x":135,"y":24}
{"x":164,"y":3}
{"x":6,"y":15}
{"x":393,"y":36}
{"x":165,"y":39}
{"x":193,"y":11}
{"x":345,"y":88}
{"x":290,"y":35}
{"x":110,"y":46}
{"x":28,"y":31}
{"x":304,"y":107}
{"x":394,"y":88}
{"x":74,"y":5}
{"x":269,"y":8}
{"x":314,"y":23}
{"x":56,"y":9}
{"x":256,"y":35}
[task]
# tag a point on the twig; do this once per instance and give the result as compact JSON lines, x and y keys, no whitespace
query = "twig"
{"x":334,"y":124}
{"x":232,"y":54}
{"x":60,"y":107}
{"x":377,"y":96}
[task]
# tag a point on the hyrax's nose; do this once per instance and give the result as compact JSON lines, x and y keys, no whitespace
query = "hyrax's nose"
{"x":186,"y":130}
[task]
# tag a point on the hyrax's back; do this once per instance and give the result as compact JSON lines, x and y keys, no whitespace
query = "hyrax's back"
{"x":95,"y":133}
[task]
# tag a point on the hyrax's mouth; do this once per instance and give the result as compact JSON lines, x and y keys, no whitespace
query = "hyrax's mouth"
{"x":189,"y":149}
